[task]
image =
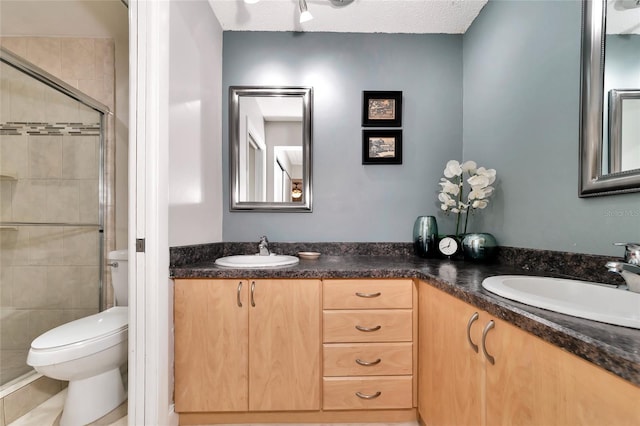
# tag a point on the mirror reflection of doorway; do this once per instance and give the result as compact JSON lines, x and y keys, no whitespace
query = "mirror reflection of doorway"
{"x":288,"y":164}
{"x":256,"y":182}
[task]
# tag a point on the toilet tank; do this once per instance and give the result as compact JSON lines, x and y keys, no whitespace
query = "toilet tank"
{"x":119,"y":264}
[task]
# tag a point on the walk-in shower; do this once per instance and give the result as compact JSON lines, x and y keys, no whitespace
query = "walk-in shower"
{"x":52,"y":150}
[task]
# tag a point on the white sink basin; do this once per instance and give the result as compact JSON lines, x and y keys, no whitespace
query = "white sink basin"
{"x":255,"y":261}
{"x":572,"y":297}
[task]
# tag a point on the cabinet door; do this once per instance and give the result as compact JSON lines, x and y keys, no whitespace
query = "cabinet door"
{"x":535,"y":383}
{"x":449,"y":372}
{"x":211,"y":345}
{"x":522,"y":387}
{"x":285,"y":344}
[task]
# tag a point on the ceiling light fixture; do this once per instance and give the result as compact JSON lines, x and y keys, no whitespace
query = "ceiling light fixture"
{"x":305,"y":15}
{"x":296,"y":192}
{"x":251,"y":1}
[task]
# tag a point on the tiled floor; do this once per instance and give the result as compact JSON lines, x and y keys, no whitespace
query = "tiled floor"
{"x":48,"y":414}
{"x":323,"y":424}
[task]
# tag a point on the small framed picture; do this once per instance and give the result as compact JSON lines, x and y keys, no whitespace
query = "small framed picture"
{"x":381,"y":109}
{"x":382,"y":147}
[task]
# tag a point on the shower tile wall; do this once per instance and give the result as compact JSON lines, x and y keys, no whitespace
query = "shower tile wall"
{"x":49,"y":274}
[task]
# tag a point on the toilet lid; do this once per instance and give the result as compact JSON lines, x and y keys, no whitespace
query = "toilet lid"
{"x":94,"y":327}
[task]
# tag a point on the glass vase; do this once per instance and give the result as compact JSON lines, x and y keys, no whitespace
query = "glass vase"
{"x":425,"y":236}
{"x":479,"y":246}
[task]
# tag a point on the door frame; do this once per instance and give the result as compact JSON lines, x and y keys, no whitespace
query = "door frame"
{"x":150,"y":309}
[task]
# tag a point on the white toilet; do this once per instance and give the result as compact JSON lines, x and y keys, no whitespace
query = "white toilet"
{"x":88,"y":352}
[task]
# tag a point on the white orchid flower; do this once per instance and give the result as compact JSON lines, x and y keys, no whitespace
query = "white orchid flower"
{"x":452,"y":169}
{"x":453,"y":191}
{"x":478,"y":181}
{"x":469,"y":167}
{"x":477,"y":193}
{"x":446,"y":200}
{"x":480,"y":204}
{"x":489,"y":173}
{"x":449,"y":187}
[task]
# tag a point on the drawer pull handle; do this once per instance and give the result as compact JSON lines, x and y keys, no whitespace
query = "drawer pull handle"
{"x":473,"y":319}
{"x":365,"y":396}
{"x":368,"y":295}
{"x":368,"y":363}
{"x":488,"y":327}
{"x":239,"y":293}
{"x":368,"y":329}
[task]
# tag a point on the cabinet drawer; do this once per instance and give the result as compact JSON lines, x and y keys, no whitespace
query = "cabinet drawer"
{"x":368,"y":359}
{"x":368,"y":326}
{"x":350,"y":393}
{"x":367,"y":294}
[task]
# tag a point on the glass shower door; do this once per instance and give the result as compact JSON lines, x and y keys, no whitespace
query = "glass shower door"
{"x":50,"y":213}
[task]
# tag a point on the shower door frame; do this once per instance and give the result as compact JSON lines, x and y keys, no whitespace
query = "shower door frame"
{"x":10,"y":59}
{"x":55,"y":83}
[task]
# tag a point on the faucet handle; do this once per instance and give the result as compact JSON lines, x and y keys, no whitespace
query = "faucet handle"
{"x":264,"y":239}
{"x":631,"y":252}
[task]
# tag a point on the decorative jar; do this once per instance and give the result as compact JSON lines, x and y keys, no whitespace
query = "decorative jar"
{"x":480,"y":246}
{"x":425,"y":236}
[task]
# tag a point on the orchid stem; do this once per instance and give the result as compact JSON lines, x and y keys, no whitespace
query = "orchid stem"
{"x":459,"y":203}
{"x":466,"y":220}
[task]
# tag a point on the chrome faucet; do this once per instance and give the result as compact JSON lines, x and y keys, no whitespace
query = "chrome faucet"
{"x":629,"y":270}
{"x":263,"y":246}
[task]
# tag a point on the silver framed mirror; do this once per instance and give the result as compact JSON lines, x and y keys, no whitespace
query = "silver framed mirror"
{"x":270,"y":143}
{"x":594,"y":179}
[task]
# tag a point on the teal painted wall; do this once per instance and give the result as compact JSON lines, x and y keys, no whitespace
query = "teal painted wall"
{"x":351,"y":201}
{"x":521,"y":116}
{"x":506,"y":94}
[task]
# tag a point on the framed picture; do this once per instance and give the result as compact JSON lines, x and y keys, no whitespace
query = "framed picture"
{"x":382,"y":147}
{"x":381,"y":109}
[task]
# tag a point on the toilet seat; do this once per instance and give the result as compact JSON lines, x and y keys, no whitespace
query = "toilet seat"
{"x":80,"y":338}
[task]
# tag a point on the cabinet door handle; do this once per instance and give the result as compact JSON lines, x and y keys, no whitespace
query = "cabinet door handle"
{"x":368,"y":363}
{"x":238,"y":296}
{"x":473,"y":319}
{"x":365,"y":396}
{"x":368,"y":295}
{"x":488,"y":327}
{"x":368,"y":329}
{"x":253,"y":289}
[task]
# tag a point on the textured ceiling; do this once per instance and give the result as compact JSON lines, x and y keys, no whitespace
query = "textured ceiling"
{"x":623,"y":17}
{"x":361,"y":16}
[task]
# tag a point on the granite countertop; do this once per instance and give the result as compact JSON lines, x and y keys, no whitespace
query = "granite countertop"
{"x":614,"y":348}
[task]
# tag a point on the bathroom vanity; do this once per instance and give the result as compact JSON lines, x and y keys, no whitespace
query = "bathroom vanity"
{"x":389,"y":338}
{"x":479,"y":369}
{"x":237,"y":339}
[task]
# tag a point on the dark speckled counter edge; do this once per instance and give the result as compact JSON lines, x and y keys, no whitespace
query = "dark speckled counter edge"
{"x":616,"y":349}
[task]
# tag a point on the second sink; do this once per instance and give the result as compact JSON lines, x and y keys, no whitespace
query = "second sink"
{"x":255,"y":261}
{"x":572,"y":297}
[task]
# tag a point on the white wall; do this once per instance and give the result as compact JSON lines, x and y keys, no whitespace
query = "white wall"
{"x":195,"y":130}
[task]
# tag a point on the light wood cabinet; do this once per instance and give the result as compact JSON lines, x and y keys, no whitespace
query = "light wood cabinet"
{"x":247,"y":345}
{"x":531,"y":382}
{"x":368,"y":333}
{"x":449,"y":371}
{"x":211,"y":345}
